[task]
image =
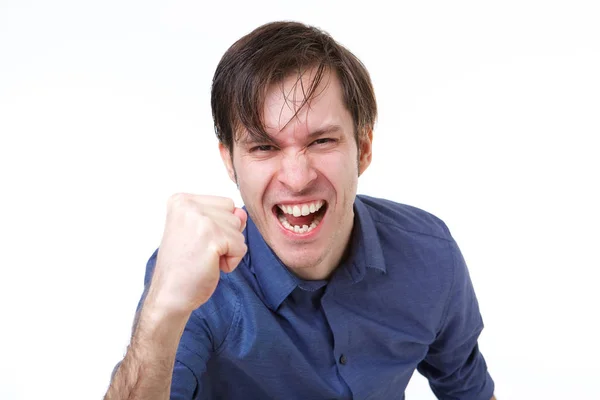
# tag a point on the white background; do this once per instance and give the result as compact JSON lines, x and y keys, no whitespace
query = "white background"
{"x":489,"y":118}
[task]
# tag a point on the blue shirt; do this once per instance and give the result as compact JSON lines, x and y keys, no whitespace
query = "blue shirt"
{"x":402,"y":300}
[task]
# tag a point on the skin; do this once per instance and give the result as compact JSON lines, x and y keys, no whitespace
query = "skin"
{"x":312,"y":156}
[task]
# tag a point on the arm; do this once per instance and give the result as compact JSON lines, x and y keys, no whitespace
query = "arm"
{"x":147,"y":368}
{"x":202,"y":237}
{"x":454,"y":365}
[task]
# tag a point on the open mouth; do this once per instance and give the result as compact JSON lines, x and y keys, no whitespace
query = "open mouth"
{"x":301,"y":218}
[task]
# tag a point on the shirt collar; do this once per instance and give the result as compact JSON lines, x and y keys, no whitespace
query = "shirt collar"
{"x":276,"y":282}
{"x":365,"y":250}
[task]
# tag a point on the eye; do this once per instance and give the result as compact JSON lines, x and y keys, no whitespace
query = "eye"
{"x":324,"y":141}
{"x":262,"y":148}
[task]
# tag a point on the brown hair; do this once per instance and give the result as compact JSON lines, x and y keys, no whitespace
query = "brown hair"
{"x":267,"y":56}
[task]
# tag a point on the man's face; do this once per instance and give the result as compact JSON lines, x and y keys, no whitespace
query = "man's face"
{"x":299,"y":189}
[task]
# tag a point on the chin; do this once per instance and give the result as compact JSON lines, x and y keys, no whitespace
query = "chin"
{"x":299,"y":260}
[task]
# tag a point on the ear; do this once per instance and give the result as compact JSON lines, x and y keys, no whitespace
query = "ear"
{"x":228,"y":161}
{"x":365,"y":151}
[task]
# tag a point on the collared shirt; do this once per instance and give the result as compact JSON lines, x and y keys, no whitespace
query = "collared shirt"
{"x":401,"y":301}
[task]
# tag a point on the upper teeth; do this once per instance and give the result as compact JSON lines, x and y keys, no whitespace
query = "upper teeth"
{"x":301,"y":209}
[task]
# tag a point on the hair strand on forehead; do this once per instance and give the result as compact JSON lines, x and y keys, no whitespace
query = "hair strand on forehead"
{"x":308,"y":94}
{"x":269,"y":55}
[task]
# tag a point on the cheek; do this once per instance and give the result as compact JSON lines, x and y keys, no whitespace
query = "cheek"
{"x":340,"y":170}
{"x":253,"y":178}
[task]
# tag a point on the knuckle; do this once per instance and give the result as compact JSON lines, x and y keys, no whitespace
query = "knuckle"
{"x":240,"y":238}
{"x":204,"y":225}
{"x":210,"y":230}
{"x":177,"y":199}
{"x":228,"y":203}
{"x":235,"y":223}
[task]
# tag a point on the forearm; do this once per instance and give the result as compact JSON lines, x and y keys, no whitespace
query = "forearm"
{"x":147,"y":369}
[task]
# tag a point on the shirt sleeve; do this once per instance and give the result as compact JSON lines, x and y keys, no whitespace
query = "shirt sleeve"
{"x":454,"y":366}
{"x":184,"y":385}
{"x":204,"y":333}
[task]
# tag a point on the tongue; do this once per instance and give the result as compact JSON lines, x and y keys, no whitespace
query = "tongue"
{"x":302,"y":220}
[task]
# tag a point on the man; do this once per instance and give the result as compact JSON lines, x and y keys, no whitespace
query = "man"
{"x":310,"y":292}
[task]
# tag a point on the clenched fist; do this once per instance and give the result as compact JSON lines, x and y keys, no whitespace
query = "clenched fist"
{"x":203,"y":235}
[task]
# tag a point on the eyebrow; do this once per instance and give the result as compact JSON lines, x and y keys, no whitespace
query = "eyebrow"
{"x":328,"y":129}
{"x":325,"y":131}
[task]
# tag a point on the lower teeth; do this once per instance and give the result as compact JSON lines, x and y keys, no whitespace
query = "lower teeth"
{"x":299,"y":229}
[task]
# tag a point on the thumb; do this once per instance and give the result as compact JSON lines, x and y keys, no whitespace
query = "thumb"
{"x":242,"y":215}
{"x":229,"y":263}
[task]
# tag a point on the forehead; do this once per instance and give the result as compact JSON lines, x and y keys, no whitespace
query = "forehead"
{"x":298,"y":108}
{"x":300,"y":100}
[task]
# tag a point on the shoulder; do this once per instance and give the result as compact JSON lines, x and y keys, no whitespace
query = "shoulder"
{"x":419,"y":255}
{"x":390,"y":215}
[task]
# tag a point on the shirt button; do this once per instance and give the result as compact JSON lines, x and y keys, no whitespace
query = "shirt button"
{"x":343,"y":359}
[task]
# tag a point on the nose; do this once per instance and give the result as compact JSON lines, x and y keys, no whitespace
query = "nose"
{"x":296,"y":172}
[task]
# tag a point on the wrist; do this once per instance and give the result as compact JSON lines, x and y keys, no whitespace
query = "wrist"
{"x":159,"y":324}
{"x":166,"y":303}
